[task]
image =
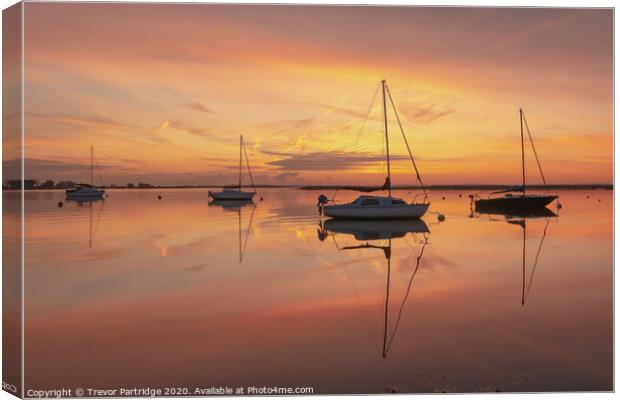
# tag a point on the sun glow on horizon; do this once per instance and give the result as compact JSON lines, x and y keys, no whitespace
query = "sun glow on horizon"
{"x":164,"y":91}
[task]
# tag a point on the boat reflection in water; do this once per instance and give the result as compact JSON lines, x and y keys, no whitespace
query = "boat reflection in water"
{"x":520,"y":218}
{"x":378,"y":234}
{"x":90,"y":202}
{"x":236,"y":206}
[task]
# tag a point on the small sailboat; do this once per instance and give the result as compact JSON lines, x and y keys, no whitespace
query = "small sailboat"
{"x":84,"y":191}
{"x":382,"y":207}
{"x":235,"y":193}
{"x":516,"y":199}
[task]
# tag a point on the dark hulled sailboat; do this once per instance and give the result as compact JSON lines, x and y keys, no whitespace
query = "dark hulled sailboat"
{"x":516,"y":199}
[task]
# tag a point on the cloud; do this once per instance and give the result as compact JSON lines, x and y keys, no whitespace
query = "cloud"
{"x":96,"y":124}
{"x":45,"y":169}
{"x":424,"y":114}
{"x":84,"y":120}
{"x":199,"y":107}
{"x":326,"y":161}
{"x":181,"y":126}
{"x":281,"y":127}
{"x":286,"y":176}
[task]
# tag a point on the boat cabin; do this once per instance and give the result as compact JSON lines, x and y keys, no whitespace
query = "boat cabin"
{"x":370,"y":201}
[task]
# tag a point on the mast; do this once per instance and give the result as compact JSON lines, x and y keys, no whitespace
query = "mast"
{"x":523,"y":267}
{"x":387,"y":140}
{"x":522,"y":150}
{"x":239,"y":229}
{"x":240,"y":158}
{"x":91,"y":166}
{"x":387,"y":297}
{"x":90,"y":227}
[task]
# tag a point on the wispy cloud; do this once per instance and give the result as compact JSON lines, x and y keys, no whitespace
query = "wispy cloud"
{"x":184,"y":127}
{"x":286,"y":176}
{"x":424,"y":114}
{"x":198,"y":107}
{"x":85,"y":120}
{"x":325,"y":161}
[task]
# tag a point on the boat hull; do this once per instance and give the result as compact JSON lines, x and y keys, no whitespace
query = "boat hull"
{"x":80,"y":195}
{"x":379,"y":212}
{"x":514,"y":204}
{"x":231,"y":195}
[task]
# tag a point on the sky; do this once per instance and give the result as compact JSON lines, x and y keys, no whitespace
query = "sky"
{"x":163,"y":93}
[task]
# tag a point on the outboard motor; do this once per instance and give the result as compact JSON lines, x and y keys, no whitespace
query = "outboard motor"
{"x":321,"y":201}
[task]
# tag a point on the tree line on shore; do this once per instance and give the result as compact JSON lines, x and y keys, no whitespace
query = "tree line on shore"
{"x":50,"y":184}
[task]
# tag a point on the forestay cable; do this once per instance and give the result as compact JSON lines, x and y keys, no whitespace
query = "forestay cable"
{"x":402,"y":131}
{"x":535,"y":154}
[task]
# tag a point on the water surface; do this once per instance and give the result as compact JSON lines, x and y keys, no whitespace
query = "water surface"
{"x":137,"y":291}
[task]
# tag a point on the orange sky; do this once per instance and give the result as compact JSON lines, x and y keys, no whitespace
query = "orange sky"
{"x":164,"y":91}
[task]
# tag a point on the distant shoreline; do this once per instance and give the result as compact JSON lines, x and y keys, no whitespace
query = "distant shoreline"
{"x":343,"y":187}
{"x":474,"y":187}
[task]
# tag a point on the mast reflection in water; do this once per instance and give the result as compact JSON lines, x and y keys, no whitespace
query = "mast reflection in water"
{"x":367,"y":234}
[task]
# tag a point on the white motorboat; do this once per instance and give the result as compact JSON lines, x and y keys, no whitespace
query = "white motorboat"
{"x":372,"y":207}
{"x":236,"y":193}
{"x":84,"y":191}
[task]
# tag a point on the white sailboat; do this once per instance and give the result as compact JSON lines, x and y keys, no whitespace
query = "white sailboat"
{"x":84,"y":191}
{"x":372,"y":207}
{"x":236,"y":193}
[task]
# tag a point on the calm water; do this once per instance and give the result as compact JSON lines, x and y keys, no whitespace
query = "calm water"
{"x":136,"y":291}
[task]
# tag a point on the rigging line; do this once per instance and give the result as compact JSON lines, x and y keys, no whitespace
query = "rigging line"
{"x":402,"y":131}
{"x":247,"y":233}
{"x":98,"y":170}
{"x":98,"y":218}
{"x":535,"y":154}
{"x":402,"y":305}
{"x":536,"y":258}
{"x":334,"y":196}
{"x":359,"y":134}
{"x":240,"y":159}
{"x":247,"y":162}
{"x":359,"y":301}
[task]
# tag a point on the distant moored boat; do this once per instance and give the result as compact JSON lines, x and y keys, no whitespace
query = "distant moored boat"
{"x":515,"y":199}
{"x":237,"y":193}
{"x":84,"y":191}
